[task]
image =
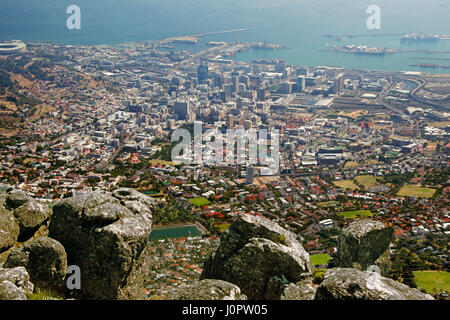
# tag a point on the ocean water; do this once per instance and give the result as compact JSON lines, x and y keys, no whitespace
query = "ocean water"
{"x":296,"y":24}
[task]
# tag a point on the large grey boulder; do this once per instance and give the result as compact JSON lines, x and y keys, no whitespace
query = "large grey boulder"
{"x":9,"y":229}
{"x":15,"y":284}
{"x":351,"y":284}
{"x":44,"y":259}
{"x":207,"y":289}
{"x":20,"y":217}
{"x":106,"y":235}
{"x":30,"y":213}
{"x":258,"y":256}
{"x":302,"y":290}
{"x":365,"y":243}
{"x":9,"y":291}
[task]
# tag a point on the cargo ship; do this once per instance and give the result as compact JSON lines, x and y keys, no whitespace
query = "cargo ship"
{"x":430,"y":65}
{"x":415,"y":37}
{"x":360,"y":50}
{"x":268,"y":46}
{"x":425,"y":65}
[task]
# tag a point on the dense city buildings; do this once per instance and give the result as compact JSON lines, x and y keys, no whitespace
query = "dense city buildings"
{"x":352,"y":143}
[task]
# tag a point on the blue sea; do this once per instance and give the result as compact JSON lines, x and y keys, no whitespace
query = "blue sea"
{"x":296,"y":24}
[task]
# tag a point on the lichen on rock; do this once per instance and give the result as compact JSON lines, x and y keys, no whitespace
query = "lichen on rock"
{"x":351,"y":284}
{"x":258,"y":256}
{"x":22,"y":218}
{"x":364,"y":243}
{"x":45,"y":260}
{"x":207,"y":289}
{"x":107,"y":237}
{"x":15,"y":283}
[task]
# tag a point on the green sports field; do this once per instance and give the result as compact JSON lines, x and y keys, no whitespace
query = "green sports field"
{"x":200,"y":202}
{"x":345,"y":184}
{"x":367,"y":181}
{"x":429,"y":280}
{"x":320,"y":258}
{"x":354,"y":214}
{"x":417,"y":191}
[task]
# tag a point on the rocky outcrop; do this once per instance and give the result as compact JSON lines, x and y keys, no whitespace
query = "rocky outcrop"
{"x":364,"y":243}
{"x":21,"y":217}
{"x":29,"y":212}
{"x":45,"y":261}
{"x":9,"y":229}
{"x":15,"y":284}
{"x":351,"y":284}
{"x":302,"y":290}
{"x":258,"y":256}
{"x":9,"y":291}
{"x":106,"y":235}
{"x":207,"y":289}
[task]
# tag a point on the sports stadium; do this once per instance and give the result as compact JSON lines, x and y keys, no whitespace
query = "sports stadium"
{"x":12,"y":46}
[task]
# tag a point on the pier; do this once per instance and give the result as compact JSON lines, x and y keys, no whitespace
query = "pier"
{"x":196,"y":37}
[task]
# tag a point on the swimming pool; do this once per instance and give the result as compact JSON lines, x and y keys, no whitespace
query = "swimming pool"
{"x":175,"y":232}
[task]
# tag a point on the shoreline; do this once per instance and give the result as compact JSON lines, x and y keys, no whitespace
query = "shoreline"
{"x":237,"y":58}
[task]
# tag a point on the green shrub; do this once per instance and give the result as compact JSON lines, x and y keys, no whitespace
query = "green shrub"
{"x":278,"y":238}
{"x":44,"y":295}
{"x":319,"y":275}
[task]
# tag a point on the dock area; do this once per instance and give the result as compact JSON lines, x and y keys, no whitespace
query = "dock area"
{"x":194,"y":39}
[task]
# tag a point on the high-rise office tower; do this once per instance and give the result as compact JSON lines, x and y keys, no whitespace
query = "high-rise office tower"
{"x":228,"y":88}
{"x":339,"y":83}
{"x":261,"y":95}
{"x":202,"y":73}
{"x":182,"y":109}
{"x":300,"y":83}
{"x":250,"y":175}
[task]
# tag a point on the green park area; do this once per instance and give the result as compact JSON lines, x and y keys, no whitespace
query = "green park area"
{"x":345,"y":184}
{"x":367,"y":181}
{"x":199,"y":202}
{"x":416,"y":191}
{"x":328,"y":204}
{"x":356,"y":213}
{"x":351,"y":164}
{"x":432,"y":281}
{"x":440,"y":124}
{"x":162,"y":162}
{"x":318,"y":259}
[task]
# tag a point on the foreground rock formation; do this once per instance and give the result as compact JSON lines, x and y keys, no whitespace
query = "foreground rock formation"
{"x":15,"y":284}
{"x":22,"y":219}
{"x":302,"y":290}
{"x":351,"y":284}
{"x":365,"y":243}
{"x":208,"y":289}
{"x":258,"y":256}
{"x":267,"y":262}
{"x":44,"y":259}
{"x":106,"y":235}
